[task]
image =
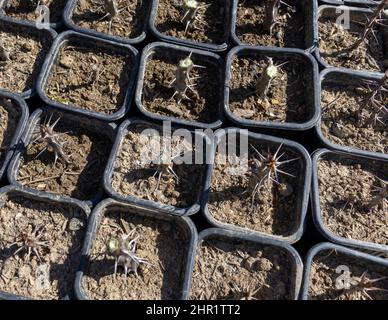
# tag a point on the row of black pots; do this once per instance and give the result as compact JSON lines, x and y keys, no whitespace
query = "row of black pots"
{"x":193,"y":240}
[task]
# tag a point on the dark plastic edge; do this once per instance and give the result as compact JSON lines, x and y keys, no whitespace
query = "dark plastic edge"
{"x":350,"y":2}
{"x":94,"y":221}
{"x":316,"y":208}
{"x":310,"y":9}
{"x":140,"y":80}
{"x":68,"y":21}
{"x":284,"y":52}
{"x":262,"y":240}
{"x":22,"y":122}
{"x":25,"y":24}
{"x":44,"y":197}
{"x":141,"y":203}
{"x":305,"y":156}
{"x":318,"y":129}
{"x":51,"y":61}
{"x":317,"y":53}
{"x":327,"y":246}
{"x":25,"y":139}
{"x":186,"y":42}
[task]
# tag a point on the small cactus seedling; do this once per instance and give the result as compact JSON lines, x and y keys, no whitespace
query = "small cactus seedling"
{"x":267,"y":170}
{"x":381,"y":195}
{"x":271,"y":13}
{"x":31,"y":241}
{"x":190,"y":15}
{"x":183,"y":81}
{"x":49,"y":137}
{"x":264,"y":82}
{"x":123,"y":248}
{"x":244,"y":292}
{"x":364,"y":284}
{"x":4,"y":54}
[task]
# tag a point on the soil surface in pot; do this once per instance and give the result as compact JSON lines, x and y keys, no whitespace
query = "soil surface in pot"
{"x":59,"y":227}
{"x":273,"y":209}
{"x":129,"y":23}
{"x":88,"y":154}
{"x":345,"y":117}
{"x":94,"y":79}
{"x":162,"y":243}
{"x":27,"y":51}
{"x":214,"y":14}
{"x":348,"y":193}
{"x":289,"y":30}
{"x":323,"y":277}
{"x":9,"y":120}
{"x":241,"y":271}
{"x":157,"y":95}
{"x":135,"y":172}
{"x":287,"y":95}
{"x":22,"y":9}
{"x":334,"y":39}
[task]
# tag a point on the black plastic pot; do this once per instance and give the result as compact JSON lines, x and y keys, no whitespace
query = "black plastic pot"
{"x":304,"y":185}
{"x":148,"y":51}
{"x":312,"y":92}
{"x":315,"y":195}
{"x":190,"y":43}
{"x":71,"y":37}
{"x":296,"y":266}
{"x":47,"y":198}
{"x":53,"y":25}
{"x":355,"y":13}
{"x":68,"y":20}
{"x":309,"y":8}
{"x":355,"y":3}
{"x":99,"y":127}
{"x":344,"y":77}
{"x":28,"y":28}
{"x":141,"y":203}
{"x":304,"y":294}
{"x":109,"y":205}
{"x":22,"y":108}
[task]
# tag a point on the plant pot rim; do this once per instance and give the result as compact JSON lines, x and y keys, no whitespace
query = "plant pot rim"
{"x":318,"y":127}
{"x":69,"y":23}
{"x":316,"y":208}
{"x":292,"y":126}
{"x":50,"y":63}
{"x":341,"y":249}
{"x":21,"y":123}
{"x":140,"y":81}
{"x":25,"y":140}
{"x":305,"y":189}
{"x":30,"y":25}
{"x":185,"y":42}
{"x":349,"y":2}
{"x":142,"y":203}
{"x":45,"y":197}
{"x":257,"y":239}
{"x":92,"y":229}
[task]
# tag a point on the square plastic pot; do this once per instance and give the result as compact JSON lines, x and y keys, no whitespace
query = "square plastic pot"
{"x":47,"y":198}
{"x":296,"y":266}
{"x":315,"y":202}
{"x":142,"y":203}
{"x":99,"y":127}
{"x":68,"y":20}
{"x":191,"y":43}
{"x":109,"y":205}
{"x":148,"y":51}
{"x":311,"y":92}
{"x":69,"y":37}
{"x":304,"y":185}
{"x":304,"y":294}
{"x":22,"y":108}
{"x":309,"y":8}
{"x":28,"y":28}
{"x":355,"y":13}
{"x":343,"y":76}
{"x":53,"y":25}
